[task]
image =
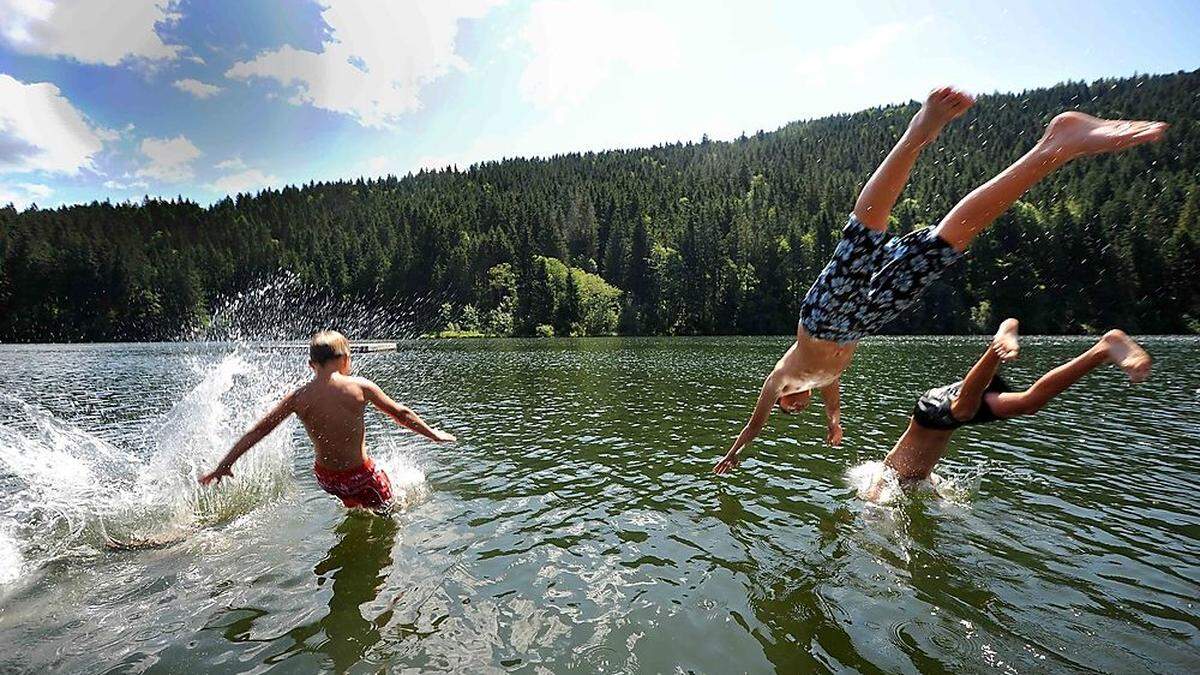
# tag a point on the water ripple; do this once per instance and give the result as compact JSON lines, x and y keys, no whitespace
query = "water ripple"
{"x":576,"y":526}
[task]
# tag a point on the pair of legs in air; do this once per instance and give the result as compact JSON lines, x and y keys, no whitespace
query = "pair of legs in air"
{"x":1115,"y":347}
{"x":1070,"y":135}
{"x":981,"y":397}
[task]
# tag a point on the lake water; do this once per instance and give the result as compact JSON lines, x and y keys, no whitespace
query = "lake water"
{"x":576,"y":527}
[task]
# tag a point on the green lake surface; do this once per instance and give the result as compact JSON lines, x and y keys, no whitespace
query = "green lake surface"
{"x":576,"y":526}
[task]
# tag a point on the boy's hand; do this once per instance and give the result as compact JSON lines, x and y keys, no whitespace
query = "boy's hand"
{"x":216,"y":475}
{"x":833,"y":435}
{"x":443,"y":437}
{"x":728,"y":463}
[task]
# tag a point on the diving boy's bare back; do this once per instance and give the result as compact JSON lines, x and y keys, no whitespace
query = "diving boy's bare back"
{"x":331,"y":407}
{"x":873,"y":276}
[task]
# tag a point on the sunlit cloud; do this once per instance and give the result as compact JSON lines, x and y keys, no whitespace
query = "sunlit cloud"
{"x":170,"y":159}
{"x":41,"y":131}
{"x":376,"y":61}
{"x":21,"y":195}
{"x":88,"y":31}
{"x":126,"y":184}
{"x":249,"y":180}
{"x":196,"y":87}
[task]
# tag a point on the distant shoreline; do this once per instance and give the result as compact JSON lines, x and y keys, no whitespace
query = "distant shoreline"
{"x":480,"y":337}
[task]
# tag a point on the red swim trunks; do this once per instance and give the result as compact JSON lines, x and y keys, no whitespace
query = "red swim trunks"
{"x":363,"y":486}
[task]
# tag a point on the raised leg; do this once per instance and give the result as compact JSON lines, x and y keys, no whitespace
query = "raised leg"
{"x":1115,"y":347}
{"x":1004,"y":348}
{"x":1070,"y":135}
{"x":879,"y":195}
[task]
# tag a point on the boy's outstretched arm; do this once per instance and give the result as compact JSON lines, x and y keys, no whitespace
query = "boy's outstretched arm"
{"x":831,"y":395}
{"x":256,"y":433}
{"x":403,"y":414}
{"x":762,"y":410}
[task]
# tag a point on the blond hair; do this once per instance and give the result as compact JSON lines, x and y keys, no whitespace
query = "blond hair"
{"x":327,"y":346}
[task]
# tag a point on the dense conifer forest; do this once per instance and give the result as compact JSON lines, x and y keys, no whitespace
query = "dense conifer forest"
{"x":695,"y":238}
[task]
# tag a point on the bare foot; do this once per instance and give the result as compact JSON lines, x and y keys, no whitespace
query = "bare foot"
{"x":1074,"y":134}
{"x":942,"y":106}
{"x":1005,"y":344}
{"x":1127,"y":355}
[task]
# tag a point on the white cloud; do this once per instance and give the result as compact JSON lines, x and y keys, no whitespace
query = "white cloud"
{"x":855,"y":58}
{"x":109,"y":135}
{"x":126,"y":184}
{"x":243,"y":178}
{"x":575,"y":47}
{"x":376,"y":60}
{"x":41,"y":131}
{"x":37,"y":189}
{"x":170,"y":159}
{"x":21,"y":195}
{"x":245,"y":181}
{"x":87,"y":30}
{"x":196,"y":87}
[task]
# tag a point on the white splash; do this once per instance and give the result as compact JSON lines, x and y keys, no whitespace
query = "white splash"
{"x":408,"y":479}
{"x":65,"y":490}
{"x":12,"y":563}
{"x":285,"y":307}
{"x":878,"y":483}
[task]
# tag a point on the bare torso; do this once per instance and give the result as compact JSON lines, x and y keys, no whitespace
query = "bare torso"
{"x":331,"y":409}
{"x":918,"y":451}
{"x":812,"y":363}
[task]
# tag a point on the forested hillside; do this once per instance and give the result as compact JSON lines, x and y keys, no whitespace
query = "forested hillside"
{"x":699,"y":238}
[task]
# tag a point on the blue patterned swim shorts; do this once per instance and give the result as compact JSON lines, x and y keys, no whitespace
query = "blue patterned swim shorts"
{"x":872,"y":277}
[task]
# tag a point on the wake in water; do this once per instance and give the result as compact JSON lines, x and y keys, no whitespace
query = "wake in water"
{"x":65,"y":490}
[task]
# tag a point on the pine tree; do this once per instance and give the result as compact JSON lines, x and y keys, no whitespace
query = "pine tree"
{"x":570,"y":310}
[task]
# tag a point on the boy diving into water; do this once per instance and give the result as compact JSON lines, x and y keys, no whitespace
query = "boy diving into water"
{"x":983,"y":397}
{"x":873,"y":276}
{"x":331,"y":408}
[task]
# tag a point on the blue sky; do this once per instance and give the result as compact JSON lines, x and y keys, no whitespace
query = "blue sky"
{"x":204,"y":98}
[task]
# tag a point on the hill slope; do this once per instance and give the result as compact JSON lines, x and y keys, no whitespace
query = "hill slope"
{"x":709,"y":237}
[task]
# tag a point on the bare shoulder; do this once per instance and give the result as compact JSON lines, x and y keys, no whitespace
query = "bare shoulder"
{"x":296,"y":398}
{"x":370,"y":391}
{"x":363,"y":382}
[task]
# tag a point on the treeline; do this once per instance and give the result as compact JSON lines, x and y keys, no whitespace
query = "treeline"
{"x":692,"y":238}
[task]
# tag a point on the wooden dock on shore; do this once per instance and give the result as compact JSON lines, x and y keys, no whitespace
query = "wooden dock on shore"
{"x":363,"y":347}
{"x":370,"y":347}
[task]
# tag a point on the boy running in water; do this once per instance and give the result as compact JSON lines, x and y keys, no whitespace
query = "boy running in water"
{"x":873,"y":277}
{"x":331,"y":408}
